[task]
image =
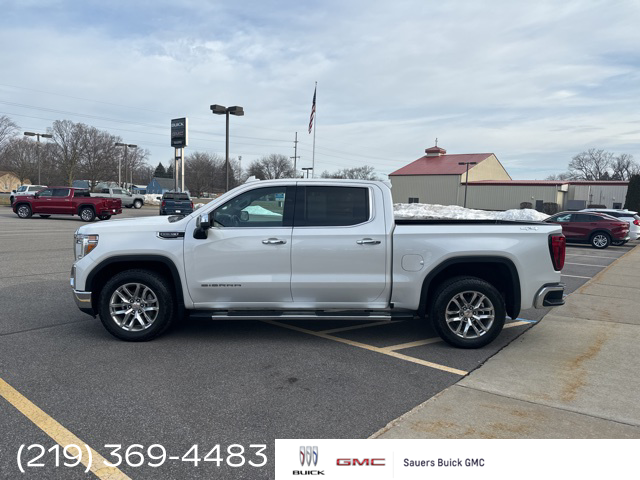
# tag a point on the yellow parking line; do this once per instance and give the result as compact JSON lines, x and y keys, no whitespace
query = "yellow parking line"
{"x":355,"y":327}
{"x":58,"y":433}
{"x":371,"y":348}
{"x":516,"y":324}
{"x":417,"y":343}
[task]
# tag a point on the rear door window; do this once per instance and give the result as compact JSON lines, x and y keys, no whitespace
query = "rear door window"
{"x":320,"y":206}
{"x":60,"y":192}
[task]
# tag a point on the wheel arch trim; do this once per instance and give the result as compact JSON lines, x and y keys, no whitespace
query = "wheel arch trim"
{"x":167,"y":262}
{"x":512,"y":306}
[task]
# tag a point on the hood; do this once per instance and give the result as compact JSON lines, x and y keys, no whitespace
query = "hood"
{"x":136,"y":224}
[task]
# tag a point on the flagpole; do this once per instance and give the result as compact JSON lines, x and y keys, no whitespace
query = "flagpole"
{"x":315,"y":122}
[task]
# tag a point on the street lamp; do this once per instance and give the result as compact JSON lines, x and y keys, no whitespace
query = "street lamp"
{"x":307,"y":170}
{"x":38,"y":135}
{"x":220,"y":110}
{"x":126,"y":147}
{"x":466,"y":182}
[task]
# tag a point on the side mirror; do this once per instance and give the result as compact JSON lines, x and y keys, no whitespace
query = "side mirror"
{"x":202,"y":226}
{"x":203,"y":221}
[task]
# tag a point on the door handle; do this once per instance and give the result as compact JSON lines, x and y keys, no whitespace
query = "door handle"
{"x":274,"y":241}
{"x":368,"y":241}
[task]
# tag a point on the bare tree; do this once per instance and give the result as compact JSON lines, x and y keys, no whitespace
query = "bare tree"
{"x":624,"y":167}
{"x":200,"y":170}
{"x":97,"y":154}
{"x":272,"y":167}
{"x":591,"y":165}
{"x":8,"y":129}
{"x":561,"y":176}
{"x":67,"y":137}
{"x":20,"y":158}
{"x":366,"y":172}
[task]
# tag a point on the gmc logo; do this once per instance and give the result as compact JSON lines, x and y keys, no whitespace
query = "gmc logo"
{"x":356,"y":462}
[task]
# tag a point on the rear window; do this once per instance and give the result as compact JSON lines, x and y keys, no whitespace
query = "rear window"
{"x":81,"y":193}
{"x":175,"y":196}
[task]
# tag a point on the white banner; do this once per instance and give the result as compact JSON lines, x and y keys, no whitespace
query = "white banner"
{"x":456,"y":459}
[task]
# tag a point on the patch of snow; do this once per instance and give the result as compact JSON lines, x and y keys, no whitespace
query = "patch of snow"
{"x":454,"y":212}
{"x":258,"y":210}
{"x":152,"y":199}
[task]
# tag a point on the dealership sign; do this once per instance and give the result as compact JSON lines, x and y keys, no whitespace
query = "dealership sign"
{"x":179,"y":132}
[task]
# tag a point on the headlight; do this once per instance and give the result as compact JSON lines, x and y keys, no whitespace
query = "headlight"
{"x":83,"y":244}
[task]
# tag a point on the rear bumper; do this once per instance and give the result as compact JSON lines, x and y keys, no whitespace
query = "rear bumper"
{"x":551,"y":295}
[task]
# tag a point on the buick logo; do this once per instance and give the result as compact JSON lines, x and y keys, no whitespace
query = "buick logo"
{"x":309,"y":455}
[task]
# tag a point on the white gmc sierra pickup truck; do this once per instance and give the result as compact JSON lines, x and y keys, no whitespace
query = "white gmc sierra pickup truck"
{"x":315,"y":249}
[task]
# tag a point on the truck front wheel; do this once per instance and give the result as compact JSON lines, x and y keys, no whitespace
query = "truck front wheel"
{"x":467,"y":312}
{"x":136,"y":305}
{"x":24,"y":211}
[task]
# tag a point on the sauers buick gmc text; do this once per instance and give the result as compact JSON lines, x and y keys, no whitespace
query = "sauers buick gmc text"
{"x":315,"y":249}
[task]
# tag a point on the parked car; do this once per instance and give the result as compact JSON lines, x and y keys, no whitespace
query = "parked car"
{"x":25,"y":190}
{"x":176,"y":203}
{"x":127,"y":198}
{"x":598,"y":229}
{"x":328,"y":249}
{"x":66,"y":201}
{"x":627,"y":215}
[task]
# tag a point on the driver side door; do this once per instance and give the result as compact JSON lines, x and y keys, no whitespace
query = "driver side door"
{"x":245,"y":261}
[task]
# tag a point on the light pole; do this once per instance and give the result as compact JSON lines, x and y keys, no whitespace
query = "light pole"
{"x":126,"y":147}
{"x":307,"y":170}
{"x":220,"y":110}
{"x":38,"y":135}
{"x":466,"y":182}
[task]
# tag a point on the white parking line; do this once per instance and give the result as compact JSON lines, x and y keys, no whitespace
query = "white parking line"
{"x":574,"y":276}
{"x":586,"y":265}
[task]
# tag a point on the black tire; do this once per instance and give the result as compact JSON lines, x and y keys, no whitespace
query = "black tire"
{"x":618,"y":243}
{"x":600,"y":240}
{"x":11,"y":198}
{"x":45,"y":216}
{"x":24,"y":211}
{"x":104,"y":216}
{"x":153,"y":292}
{"x":128,"y":206}
{"x":465,"y":293}
{"x":137,"y":204}
{"x":87,"y":214}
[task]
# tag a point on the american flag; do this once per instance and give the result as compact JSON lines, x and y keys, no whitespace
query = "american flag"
{"x":313,"y":110}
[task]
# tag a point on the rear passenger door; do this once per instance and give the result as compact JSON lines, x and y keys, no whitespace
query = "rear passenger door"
{"x":61,"y":201}
{"x":338,"y":256}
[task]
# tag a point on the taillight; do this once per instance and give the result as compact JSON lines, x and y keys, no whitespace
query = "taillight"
{"x":191,"y":205}
{"x":164,"y":203}
{"x":636,"y":222}
{"x":557,"y":249}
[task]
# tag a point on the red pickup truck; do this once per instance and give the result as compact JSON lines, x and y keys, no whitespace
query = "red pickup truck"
{"x":67,"y":201}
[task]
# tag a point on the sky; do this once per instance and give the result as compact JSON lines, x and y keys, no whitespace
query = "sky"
{"x":533,"y":82}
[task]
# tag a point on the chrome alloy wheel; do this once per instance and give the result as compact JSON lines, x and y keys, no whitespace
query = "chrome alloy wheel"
{"x":23,"y":211}
{"x":470,"y":314}
{"x":600,"y":240}
{"x":134,"y":307}
{"x":86,"y":214}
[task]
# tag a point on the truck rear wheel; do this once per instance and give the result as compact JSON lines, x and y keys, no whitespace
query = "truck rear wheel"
{"x":136,"y":305}
{"x":87,"y":214}
{"x":137,"y":204}
{"x":467,"y":312}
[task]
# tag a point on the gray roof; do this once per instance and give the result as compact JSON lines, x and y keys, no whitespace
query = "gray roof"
{"x":164,"y":182}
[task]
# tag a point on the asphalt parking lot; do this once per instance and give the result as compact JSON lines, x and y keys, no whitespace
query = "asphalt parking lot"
{"x":204,"y":383}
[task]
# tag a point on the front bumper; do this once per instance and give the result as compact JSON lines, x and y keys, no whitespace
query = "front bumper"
{"x":551,"y":295}
{"x":83,"y":301}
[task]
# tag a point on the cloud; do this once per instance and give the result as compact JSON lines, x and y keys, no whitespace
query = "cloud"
{"x":538,"y":81}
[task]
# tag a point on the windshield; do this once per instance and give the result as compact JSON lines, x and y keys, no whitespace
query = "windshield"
{"x":22,"y":189}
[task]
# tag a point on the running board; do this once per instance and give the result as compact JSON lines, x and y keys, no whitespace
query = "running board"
{"x":297,"y":315}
